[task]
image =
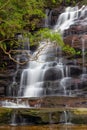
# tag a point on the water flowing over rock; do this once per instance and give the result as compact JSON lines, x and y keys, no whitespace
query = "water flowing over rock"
{"x":54,"y":79}
{"x":38,"y":78}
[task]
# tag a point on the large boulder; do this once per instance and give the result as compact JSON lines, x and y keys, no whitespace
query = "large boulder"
{"x":52,"y":74}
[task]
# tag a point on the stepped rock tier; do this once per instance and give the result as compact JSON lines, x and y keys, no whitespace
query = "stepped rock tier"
{"x":54,"y":72}
{"x":54,"y":79}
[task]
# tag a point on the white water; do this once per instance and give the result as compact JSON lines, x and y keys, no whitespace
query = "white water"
{"x":13,"y":104}
{"x":69,"y":17}
{"x":65,"y":83}
{"x":32,"y":78}
{"x":32,"y":82}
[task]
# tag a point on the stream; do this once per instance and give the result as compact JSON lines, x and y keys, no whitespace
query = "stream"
{"x":45,"y":127}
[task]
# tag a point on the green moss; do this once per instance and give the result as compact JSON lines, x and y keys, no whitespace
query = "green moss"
{"x":80,"y":111}
{"x":45,"y":115}
{"x":5,"y":114}
{"x":79,"y":120}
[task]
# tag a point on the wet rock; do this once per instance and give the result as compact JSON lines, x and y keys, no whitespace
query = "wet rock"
{"x":79,"y":116}
{"x":49,"y":64}
{"x":5,"y":115}
{"x":54,"y":16}
{"x":6,"y":78}
{"x":73,"y":41}
{"x":52,"y":74}
{"x":43,"y":116}
{"x":75,"y":71}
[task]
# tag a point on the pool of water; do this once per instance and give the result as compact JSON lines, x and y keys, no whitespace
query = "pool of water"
{"x":45,"y":127}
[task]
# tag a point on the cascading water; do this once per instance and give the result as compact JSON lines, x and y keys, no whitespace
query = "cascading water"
{"x":69,"y":17}
{"x":13,"y":86}
{"x":47,"y":18}
{"x":13,"y":120}
{"x":49,"y":21}
{"x":49,"y":73}
{"x":23,"y":45}
{"x":66,"y":82}
{"x":35,"y":79}
{"x":32,"y":79}
{"x":65,"y":117}
{"x":32,"y":84}
{"x":15,"y":104}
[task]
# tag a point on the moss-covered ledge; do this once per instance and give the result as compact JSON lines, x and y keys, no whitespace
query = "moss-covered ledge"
{"x":43,"y":115}
{"x":5,"y":114}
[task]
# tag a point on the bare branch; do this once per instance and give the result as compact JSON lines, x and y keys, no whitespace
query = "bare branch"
{"x":40,"y":51}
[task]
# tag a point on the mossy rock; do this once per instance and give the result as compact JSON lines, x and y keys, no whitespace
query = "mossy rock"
{"x":79,"y":120}
{"x":43,"y":116}
{"x":5,"y":115}
{"x":79,"y":116}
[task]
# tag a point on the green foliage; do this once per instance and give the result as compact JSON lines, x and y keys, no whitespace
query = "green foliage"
{"x":54,"y":37}
{"x":22,"y":16}
{"x":15,"y":15}
{"x":70,"y":50}
{"x":54,"y":1}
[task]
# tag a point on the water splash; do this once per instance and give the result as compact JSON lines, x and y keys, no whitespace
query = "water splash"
{"x":15,"y":104}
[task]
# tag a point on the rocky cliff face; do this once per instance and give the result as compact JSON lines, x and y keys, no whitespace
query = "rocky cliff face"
{"x":75,"y":36}
{"x":7,"y":69}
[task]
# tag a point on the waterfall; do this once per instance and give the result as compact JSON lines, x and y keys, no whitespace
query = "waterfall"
{"x":12,"y":89}
{"x":66,"y":117}
{"x":72,"y":15}
{"x":65,"y":83}
{"x":47,"y":18}
{"x":23,"y":45}
{"x":34,"y":86}
{"x":32,"y":78}
{"x":83,"y":55}
{"x":13,"y":119}
{"x":43,"y":73}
